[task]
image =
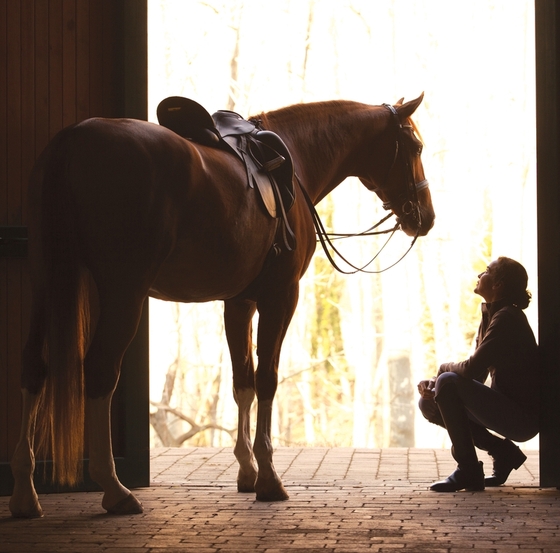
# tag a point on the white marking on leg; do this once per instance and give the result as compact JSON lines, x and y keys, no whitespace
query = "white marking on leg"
{"x":116,"y":498}
{"x":24,"y":501}
{"x":243,"y":450}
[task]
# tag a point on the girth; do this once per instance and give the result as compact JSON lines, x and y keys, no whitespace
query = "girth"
{"x":266,"y":158}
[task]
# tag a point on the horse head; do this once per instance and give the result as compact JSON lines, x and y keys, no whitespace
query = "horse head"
{"x":395,"y":172}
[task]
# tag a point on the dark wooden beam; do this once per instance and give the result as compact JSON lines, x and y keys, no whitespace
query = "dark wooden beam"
{"x":547,"y":24}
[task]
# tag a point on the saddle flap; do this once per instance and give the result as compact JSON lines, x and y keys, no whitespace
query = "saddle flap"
{"x":266,"y":192}
{"x":280,"y":166}
{"x":269,"y":168}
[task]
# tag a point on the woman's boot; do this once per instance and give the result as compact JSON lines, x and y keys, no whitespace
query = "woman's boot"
{"x":469,"y":474}
{"x":507,"y":457}
{"x":505,"y":454}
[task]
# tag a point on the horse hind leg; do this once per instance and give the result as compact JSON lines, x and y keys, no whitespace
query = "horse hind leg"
{"x":238,"y":316}
{"x":116,"y":327}
{"x":117,"y":499}
{"x":24,"y":501}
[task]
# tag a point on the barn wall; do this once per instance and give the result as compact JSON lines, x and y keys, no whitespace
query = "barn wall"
{"x":61,"y":61}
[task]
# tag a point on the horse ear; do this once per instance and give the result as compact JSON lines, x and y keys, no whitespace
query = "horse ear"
{"x":407,"y":109}
{"x":399,"y":103}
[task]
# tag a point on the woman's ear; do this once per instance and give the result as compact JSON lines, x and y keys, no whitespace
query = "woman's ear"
{"x":498,"y":285}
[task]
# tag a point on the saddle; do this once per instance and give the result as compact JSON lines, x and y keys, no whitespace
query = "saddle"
{"x":266,"y":158}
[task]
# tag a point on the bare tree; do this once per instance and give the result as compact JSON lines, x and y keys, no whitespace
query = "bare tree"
{"x":160,"y":420}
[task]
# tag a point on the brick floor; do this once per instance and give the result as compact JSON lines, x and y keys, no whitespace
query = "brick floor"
{"x":341,"y":501}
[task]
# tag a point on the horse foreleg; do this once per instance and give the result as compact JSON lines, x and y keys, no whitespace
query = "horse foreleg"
{"x":238,"y":315}
{"x":24,"y":501}
{"x":275,"y":313}
{"x":269,"y":487}
{"x":116,"y":498}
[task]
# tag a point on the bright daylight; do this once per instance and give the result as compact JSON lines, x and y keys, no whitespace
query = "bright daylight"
{"x":358,"y":344}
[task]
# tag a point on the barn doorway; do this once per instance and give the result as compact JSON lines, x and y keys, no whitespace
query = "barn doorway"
{"x":358,"y":345}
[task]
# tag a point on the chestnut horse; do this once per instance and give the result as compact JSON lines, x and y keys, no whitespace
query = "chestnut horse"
{"x":122,"y":209}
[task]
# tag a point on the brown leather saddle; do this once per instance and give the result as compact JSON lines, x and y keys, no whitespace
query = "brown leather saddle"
{"x":266,"y":158}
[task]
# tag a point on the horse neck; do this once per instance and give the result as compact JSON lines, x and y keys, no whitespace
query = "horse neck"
{"x":325,"y":140}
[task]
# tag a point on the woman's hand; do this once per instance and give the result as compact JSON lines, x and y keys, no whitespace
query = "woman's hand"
{"x":426,"y":388}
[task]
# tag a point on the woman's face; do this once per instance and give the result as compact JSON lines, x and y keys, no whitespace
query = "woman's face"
{"x":486,"y":287}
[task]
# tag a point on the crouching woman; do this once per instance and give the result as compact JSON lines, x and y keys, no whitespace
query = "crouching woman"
{"x":489,"y":417}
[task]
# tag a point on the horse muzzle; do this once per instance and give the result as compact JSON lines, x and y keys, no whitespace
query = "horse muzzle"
{"x":417,"y":216}
{"x":417,"y":224}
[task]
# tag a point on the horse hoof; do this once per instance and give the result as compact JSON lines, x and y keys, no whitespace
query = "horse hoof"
{"x":32,"y":511}
{"x":246,"y":482}
{"x":245,"y":487}
{"x":127,"y":506}
{"x":273,"y":494}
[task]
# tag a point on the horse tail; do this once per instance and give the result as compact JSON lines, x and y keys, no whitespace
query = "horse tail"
{"x":67,"y":319}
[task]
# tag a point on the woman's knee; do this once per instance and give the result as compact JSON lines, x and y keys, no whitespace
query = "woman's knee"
{"x":446,"y":379}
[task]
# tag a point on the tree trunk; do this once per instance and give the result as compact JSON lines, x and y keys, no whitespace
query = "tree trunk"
{"x":401,"y":433}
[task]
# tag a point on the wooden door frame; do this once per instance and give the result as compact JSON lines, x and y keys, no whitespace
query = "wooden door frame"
{"x":547,"y":54}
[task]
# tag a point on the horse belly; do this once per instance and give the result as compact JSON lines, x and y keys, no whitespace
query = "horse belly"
{"x":200,"y":273}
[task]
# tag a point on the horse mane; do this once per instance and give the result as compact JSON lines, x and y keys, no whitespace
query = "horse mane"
{"x":306,"y":115}
{"x":301,"y":119}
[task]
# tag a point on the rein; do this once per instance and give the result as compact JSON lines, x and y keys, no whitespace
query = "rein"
{"x":410,"y":204}
{"x":325,"y":239}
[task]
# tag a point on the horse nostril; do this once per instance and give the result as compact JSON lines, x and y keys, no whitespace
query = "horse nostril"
{"x":408,"y":208}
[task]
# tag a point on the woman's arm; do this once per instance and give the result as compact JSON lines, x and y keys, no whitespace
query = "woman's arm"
{"x":489,"y":351}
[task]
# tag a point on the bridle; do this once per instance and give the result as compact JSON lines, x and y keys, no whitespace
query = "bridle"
{"x":410,"y":206}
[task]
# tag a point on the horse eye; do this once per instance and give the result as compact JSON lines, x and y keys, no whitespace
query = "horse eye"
{"x":419,"y":152}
